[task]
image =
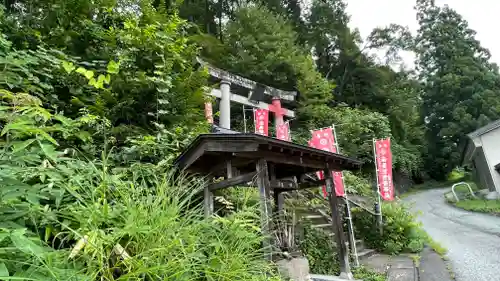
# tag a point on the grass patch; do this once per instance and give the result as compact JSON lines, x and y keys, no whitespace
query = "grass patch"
{"x":480,"y":205}
{"x":437,"y":247}
{"x":431,"y":185}
{"x":464,"y":189}
{"x":365,"y":274}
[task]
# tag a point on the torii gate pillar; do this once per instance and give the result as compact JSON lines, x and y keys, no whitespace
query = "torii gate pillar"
{"x":278,"y":111}
{"x":225,"y":105}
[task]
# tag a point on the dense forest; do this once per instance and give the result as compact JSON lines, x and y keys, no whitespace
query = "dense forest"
{"x":285,"y":44}
{"x":98,"y":97}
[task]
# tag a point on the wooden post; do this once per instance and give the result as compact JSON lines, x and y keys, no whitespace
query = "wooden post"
{"x":279,"y":201}
{"x":229,"y":169}
{"x":208,"y":203}
{"x":345,"y":269}
{"x":265,"y":210}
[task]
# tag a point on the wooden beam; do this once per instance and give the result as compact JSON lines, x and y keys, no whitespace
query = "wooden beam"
{"x":191,"y":158}
{"x":345,"y":269}
{"x":231,"y":146}
{"x":265,"y":209}
{"x":306,"y":185}
{"x":284,"y":159}
{"x":281,"y":184}
{"x":234,"y":162}
{"x":244,"y":100}
{"x":233,"y":181}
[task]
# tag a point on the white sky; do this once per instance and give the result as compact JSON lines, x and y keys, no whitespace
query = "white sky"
{"x":482,"y":15}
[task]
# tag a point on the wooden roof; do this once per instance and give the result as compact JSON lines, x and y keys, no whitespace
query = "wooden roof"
{"x":209,"y":153}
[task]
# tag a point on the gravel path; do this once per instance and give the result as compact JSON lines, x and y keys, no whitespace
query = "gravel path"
{"x":472,"y":240}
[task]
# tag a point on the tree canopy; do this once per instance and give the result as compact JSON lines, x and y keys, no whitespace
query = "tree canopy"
{"x":133,"y":62}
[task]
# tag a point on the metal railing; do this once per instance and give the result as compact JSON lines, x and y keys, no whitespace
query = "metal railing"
{"x":462,"y":183}
{"x":359,"y":205}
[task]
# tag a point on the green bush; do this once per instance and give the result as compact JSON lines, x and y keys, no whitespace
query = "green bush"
{"x":365,"y":274}
{"x":478,"y":205}
{"x":456,"y":175}
{"x":63,"y":218}
{"x":320,"y":250}
{"x":401,"y":231}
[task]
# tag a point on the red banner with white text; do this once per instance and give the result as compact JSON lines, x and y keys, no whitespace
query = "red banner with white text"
{"x":383,"y":156}
{"x":283,"y":132}
{"x":261,"y":120}
{"x":324,"y":139}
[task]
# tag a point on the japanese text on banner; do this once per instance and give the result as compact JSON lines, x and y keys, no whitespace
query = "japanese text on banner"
{"x":324,"y":139}
{"x":383,"y":157}
{"x":261,"y":120}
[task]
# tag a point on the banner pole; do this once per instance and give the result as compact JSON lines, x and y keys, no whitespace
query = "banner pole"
{"x":379,"y":206}
{"x":244,"y":119}
{"x":350,"y":226}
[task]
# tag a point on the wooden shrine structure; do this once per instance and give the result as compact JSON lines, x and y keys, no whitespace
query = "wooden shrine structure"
{"x":269,"y":164}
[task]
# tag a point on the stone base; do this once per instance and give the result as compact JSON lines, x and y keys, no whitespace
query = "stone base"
{"x":297,"y":269}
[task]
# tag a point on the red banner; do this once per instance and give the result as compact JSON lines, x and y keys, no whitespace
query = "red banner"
{"x":283,"y":132}
{"x":261,"y":120}
{"x":324,"y":139}
{"x":383,"y":156}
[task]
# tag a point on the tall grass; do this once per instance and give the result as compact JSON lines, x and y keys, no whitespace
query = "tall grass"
{"x":138,"y":224}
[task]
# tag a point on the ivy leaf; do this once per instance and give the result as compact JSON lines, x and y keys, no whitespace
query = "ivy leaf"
{"x":100,"y":81}
{"x":81,"y":70}
{"x":89,"y":74}
{"x":107,"y":79}
{"x":113,"y":67}
{"x":68,"y":66}
{"x":93,"y":82}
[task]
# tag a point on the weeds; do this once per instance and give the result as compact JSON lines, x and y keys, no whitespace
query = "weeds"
{"x":478,"y":205}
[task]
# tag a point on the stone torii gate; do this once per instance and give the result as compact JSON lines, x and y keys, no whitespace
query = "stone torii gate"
{"x":247,"y":92}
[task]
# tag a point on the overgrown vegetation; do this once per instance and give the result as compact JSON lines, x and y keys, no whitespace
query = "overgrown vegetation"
{"x":320,"y":251}
{"x":69,"y":219}
{"x":98,"y":97}
{"x":401,"y":231}
{"x":480,"y":205}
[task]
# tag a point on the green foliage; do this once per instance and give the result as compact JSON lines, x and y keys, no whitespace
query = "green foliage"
{"x":110,"y":222}
{"x":356,"y":184}
{"x":401,"y":231}
{"x":131,"y":68}
{"x":478,"y":205}
{"x":460,"y":85}
{"x":262,"y":46}
{"x":437,"y":247}
{"x":320,"y":251}
{"x":161,"y":148}
{"x":363,"y":273}
{"x":456,"y":175}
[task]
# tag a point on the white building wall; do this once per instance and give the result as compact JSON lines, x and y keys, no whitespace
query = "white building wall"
{"x":491,"y":147}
